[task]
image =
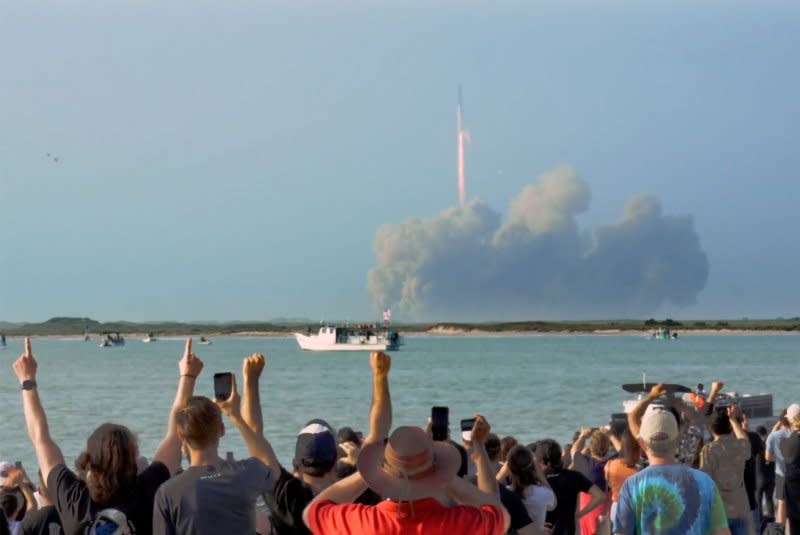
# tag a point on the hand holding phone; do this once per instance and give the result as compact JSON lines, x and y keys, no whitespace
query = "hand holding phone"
{"x":466,"y":429}
{"x":223,"y":385}
{"x":440,"y":423}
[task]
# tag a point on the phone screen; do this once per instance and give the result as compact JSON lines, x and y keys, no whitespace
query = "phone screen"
{"x":466,"y":429}
{"x":440,"y":422}
{"x":223,"y":385}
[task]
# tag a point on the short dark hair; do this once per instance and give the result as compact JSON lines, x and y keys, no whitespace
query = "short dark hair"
{"x":549,"y":451}
{"x":721,"y":424}
{"x":8,"y":502}
{"x":493,"y":447}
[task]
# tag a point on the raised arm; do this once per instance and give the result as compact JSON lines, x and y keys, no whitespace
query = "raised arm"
{"x":635,"y":416}
{"x":380,"y":411}
{"x":257,"y":445}
{"x":189,"y":367}
{"x":735,"y":415}
{"x":577,"y":446}
{"x":251,"y":399}
{"x":48,"y":454}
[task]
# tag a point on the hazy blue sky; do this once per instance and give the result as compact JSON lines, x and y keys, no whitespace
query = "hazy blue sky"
{"x":233,"y":160}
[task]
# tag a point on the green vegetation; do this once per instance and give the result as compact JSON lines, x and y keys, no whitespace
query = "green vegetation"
{"x":75,"y":326}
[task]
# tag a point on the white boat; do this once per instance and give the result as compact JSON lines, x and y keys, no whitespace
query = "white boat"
{"x":204,"y":341}
{"x":149,"y":338}
{"x":360,"y":338}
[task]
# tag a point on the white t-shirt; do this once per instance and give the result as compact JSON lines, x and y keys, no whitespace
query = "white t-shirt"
{"x":538,"y":499}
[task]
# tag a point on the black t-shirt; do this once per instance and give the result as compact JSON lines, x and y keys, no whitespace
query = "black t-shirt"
{"x":286,"y":503}
{"x":566,"y":485}
{"x":516,"y":509}
{"x":790,"y":448}
{"x":44,"y":521}
{"x":513,"y":504}
{"x":75,"y":506}
{"x":756,"y":450}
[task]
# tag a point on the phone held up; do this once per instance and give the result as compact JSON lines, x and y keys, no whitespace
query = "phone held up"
{"x":223,"y":385}
{"x":466,"y":429}
{"x":440,"y":422}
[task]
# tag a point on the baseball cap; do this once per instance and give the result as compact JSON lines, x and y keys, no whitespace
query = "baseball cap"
{"x":659,"y":431}
{"x":315,"y":447}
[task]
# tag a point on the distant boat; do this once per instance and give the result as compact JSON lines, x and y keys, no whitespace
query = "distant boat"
{"x":2,"y":341}
{"x":149,"y":338}
{"x":112,"y":340}
{"x":359,"y":338}
{"x":205,"y":341}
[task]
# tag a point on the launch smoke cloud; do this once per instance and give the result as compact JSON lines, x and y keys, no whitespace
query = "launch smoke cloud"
{"x":472,"y":263}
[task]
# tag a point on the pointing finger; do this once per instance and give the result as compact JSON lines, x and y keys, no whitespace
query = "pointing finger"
{"x":188,"y":351}
{"x":28,"y":347}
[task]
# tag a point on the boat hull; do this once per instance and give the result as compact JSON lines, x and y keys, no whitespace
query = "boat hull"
{"x":310,"y":343}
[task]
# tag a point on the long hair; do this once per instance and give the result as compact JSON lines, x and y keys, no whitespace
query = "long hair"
{"x":109,"y":463}
{"x":631,"y":452}
{"x":599,"y":444}
{"x":522,"y":467}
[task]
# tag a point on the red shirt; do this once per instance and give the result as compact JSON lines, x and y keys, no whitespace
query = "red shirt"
{"x":388,"y":518}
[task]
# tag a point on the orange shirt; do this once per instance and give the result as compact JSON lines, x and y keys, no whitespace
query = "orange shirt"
{"x":616,"y":473}
{"x":426,"y":516}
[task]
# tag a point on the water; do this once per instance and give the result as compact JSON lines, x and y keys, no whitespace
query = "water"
{"x":531,"y":387}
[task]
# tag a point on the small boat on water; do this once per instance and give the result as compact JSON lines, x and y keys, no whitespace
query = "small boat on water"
{"x":359,"y":338}
{"x":204,"y":341}
{"x":112,"y":340}
{"x":149,"y":338}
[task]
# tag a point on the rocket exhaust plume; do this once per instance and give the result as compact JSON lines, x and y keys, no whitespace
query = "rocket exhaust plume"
{"x":461,"y":136}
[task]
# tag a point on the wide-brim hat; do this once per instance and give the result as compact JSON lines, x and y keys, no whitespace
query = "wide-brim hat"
{"x":410,"y":466}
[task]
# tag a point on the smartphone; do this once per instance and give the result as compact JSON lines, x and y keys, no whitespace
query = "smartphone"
{"x":223,"y":385}
{"x":229,"y":457}
{"x":466,"y":429}
{"x":18,"y":464}
{"x":440,"y":422}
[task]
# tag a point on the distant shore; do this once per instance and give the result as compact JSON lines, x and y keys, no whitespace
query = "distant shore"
{"x":75,"y":327}
{"x":440,"y":333}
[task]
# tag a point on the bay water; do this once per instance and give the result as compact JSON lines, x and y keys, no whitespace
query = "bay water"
{"x":531,"y":387}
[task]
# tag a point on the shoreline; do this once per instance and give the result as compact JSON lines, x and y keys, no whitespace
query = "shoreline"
{"x":439,"y":332}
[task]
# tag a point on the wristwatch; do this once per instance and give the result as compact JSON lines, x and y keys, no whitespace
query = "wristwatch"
{"x":28,"y":384}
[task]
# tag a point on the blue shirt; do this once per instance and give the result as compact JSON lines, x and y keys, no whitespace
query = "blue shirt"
{"x":774,"y":448}
{"x":670,"y":499}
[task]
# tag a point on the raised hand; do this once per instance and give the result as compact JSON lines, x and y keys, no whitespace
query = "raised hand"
{"x":190,"y":364}
{"x":233,"y":405}
{"x":25,"y":366}
{"x":657,"y":390}
{"x":380,"y":363}
{"x":253,"y":366}
{"x":480,"y":430}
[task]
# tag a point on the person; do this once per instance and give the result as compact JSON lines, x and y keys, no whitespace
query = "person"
{"x":45,"y":520}
{"x":112,"y":487}
{"x":724,"y":460}
{"x":622,"y":467}
{"x":416,"y":475}
{"x":774,"y":453}
{"x":751,"y":483}
{"x":765,"y":474}
{"x":16,"y":495}
{"x":213,"y":492}
{"x":529,"y":483}
{"x":667,"y":497}
{"x":590,"y":461}
{"x":790,"y":448}
{"x":316,"y":455}
{"x":567,"y":485}
{"x":521,"y":522}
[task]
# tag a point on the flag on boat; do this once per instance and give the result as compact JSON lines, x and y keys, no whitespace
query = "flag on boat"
{"x":387,"y":315}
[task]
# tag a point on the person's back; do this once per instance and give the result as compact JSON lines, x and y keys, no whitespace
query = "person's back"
{"x":669,"y":499}
{"x":205,"y":499}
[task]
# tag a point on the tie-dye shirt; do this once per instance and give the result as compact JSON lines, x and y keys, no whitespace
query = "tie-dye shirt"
{"x":670,"y":499}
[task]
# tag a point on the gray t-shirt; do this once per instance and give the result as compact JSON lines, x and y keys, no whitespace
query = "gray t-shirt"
{"x":208,"y":500}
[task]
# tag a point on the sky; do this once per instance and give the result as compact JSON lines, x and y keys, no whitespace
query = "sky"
{"x":238,"y":160}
